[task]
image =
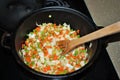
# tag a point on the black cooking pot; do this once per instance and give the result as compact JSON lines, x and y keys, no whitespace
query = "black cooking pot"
{"x":59,"y":15}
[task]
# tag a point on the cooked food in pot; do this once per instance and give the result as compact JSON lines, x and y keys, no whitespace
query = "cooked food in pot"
{"x":41,"y":53}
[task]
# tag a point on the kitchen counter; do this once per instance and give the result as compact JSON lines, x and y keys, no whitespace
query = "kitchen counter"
{"x":105,"y":12}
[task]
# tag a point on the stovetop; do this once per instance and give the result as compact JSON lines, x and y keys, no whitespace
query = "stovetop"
{"x":102,"y":70}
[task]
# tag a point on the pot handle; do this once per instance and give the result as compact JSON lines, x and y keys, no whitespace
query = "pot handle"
{"x":6,"y":40}
{"x":111,"y":38}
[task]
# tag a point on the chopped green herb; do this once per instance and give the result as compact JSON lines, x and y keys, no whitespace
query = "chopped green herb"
{"x":76,"y":52}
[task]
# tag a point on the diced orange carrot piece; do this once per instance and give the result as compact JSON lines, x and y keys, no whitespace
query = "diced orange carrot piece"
{"x":37,"y":29}
{"x":61,"y":68}
{"x":48,"y":46}
{"x":61,"y":32}
{"x":38,"y":57}
{"x":58,"y":72}
{"x":57,"y":47}
{"x":67,"y":31}
{"x":68,"y":57}
{"x":34,"y":52}
{"x":47,"y":68}
{"x":26,"y":42}
{"x":77,"y":65}
{"x":45,"y":51}
{"x":27,"y":58}
{"x":55,"y":26}
{"x":55,"y":57}
{"x":30,"y":65}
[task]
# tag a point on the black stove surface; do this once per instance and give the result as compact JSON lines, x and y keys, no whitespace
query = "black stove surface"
{"x":102,"y":70}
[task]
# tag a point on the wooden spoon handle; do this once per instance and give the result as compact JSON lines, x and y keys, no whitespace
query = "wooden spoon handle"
{"x":108,"y":30}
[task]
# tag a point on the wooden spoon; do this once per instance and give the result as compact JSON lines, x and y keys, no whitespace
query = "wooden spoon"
{"x":68,"y":45}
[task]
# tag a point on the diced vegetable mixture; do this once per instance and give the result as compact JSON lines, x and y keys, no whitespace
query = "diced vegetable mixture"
{"x":41,"y":53}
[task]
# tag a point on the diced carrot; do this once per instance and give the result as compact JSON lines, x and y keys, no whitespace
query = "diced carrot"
{"x":74,"y":57}
{"x":55,"y":67}
{"x":67,"y":31}
{"x":48,"y":46}
{"x":55,"y":57}
{"x":64,"y":35}
{"x":77,"y":65}
{"x":38,"y":57}
{"x":50,"y":39}
{"x":39,"y":39}
{"x":44,"y":40}
{"x":70,"y":54}
{"x":26,"y":42}
{"x":59,"y":64}
{"x":51,"y":32}
{"x":57,"y":47}
{"x":44,"y":70}
{"x":45,"y":30}
{"x":61,"y":32}
{"x":58,"y":72}
{"x":61,"y":68}
{"x":37,"y":29}
{"x":68,"y":57}
{"x":45,"y":51}
{"x":55,"y":35}
{"x":41,"y":44}
{"x":77,"y":57}
{"x":30,"y":65}
{"x":55,"y":26}
{"x":34,"y":52}
{"x":31,"y":39}
{"x":27,"y":58}
{"x":47,"y":68}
